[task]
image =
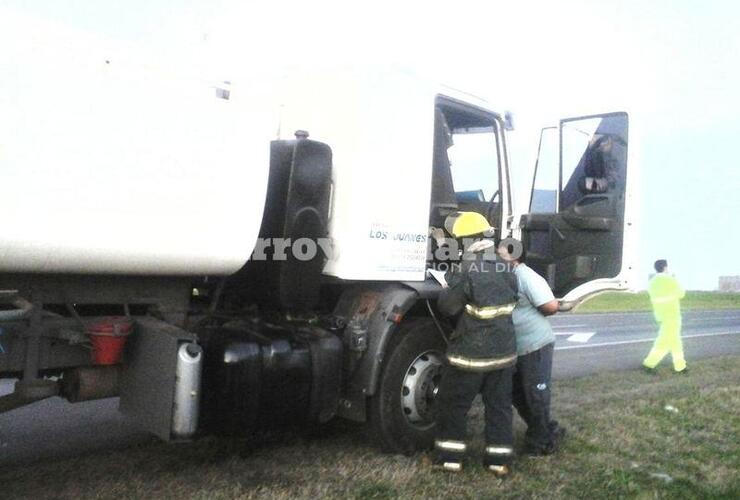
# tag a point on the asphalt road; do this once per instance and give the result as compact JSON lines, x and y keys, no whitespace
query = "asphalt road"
{"x":586,"y":344}
{"x":593,"y":343}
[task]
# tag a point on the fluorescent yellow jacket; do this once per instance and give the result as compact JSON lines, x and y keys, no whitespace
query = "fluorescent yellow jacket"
{"x":665,"y":295}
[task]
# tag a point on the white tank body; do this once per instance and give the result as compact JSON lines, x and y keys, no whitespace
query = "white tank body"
{"x":111,"y":165}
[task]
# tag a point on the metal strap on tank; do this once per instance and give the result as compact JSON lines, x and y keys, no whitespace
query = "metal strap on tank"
{"x":489,"y":312}
{"x":480,"y":364}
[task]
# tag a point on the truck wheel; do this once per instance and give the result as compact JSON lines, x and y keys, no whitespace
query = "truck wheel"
{"x":402,"y":412}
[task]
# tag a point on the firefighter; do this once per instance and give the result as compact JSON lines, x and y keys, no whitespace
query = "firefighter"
{"x":665,"y":295}
{"x":482,"y":350}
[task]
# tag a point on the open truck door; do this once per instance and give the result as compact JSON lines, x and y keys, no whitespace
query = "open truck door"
{"x":575,"y":232}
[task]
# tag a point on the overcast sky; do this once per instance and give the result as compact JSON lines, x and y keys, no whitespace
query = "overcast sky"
{"x":674,"y":65}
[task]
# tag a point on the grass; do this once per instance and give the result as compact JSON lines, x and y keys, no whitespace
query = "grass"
{"x":626,"y":301}
{"x":620,"y":436}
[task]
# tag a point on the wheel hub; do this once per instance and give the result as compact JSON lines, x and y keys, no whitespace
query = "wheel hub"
{"x":419,"y":389}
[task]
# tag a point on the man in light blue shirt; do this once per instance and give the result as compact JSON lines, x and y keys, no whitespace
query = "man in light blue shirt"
{"x":535,"y":342}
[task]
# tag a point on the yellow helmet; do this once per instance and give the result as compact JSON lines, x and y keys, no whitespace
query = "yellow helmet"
{"x":462,"y":224}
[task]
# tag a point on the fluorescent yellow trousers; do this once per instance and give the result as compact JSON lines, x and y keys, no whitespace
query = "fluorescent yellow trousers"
{"x":669,"y":340}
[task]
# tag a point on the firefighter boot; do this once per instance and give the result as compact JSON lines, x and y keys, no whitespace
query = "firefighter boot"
{"x":448,"y":455}
{"x":497,"y":458}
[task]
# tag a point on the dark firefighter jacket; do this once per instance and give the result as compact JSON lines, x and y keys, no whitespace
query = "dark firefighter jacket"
{"x":483,"y":292}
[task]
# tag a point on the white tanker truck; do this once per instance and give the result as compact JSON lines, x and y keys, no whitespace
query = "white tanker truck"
{"x":136,"y":196}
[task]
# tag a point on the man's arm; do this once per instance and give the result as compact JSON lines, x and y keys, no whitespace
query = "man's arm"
{"x":548,"y":308}
{"x":677,"y":289}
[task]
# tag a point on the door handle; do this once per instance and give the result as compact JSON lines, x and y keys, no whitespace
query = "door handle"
{"x":589,"y":223}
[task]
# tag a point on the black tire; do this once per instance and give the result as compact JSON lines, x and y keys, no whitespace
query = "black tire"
{"x":390,"y":424}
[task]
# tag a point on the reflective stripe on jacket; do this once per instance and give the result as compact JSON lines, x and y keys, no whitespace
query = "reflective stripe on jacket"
{"x":482,"y":294}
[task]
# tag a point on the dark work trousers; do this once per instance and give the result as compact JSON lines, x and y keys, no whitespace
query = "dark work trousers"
{"x":531,"y":396}
{"x":457,"y":390}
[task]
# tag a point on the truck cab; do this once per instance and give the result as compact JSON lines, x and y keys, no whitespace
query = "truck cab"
{"x":265,"y":237}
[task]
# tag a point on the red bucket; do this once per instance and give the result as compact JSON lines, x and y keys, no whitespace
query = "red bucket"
{"x":108,"y":336}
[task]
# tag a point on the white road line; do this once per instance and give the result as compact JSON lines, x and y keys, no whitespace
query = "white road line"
{"x":581,"y":337}
{"x":577,"y":336}
{"x":641,"y":341}
{"x":713,"y":318}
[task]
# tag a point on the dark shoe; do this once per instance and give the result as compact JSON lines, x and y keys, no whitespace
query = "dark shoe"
{"x":558,"y":435}
{"x":540,"y":450}
{"x":649,"y":371}
{"x":685,"y":371}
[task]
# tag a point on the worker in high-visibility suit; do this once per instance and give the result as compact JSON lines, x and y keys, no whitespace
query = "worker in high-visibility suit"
{"x":665,"y":295}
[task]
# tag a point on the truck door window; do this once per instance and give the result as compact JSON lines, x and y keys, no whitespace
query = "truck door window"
{"x":582,"y":148}
{"x":474,"y":163}
{"x":466,"y":162}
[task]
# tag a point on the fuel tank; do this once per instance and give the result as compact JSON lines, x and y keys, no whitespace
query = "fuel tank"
{"x":261,"y":375}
